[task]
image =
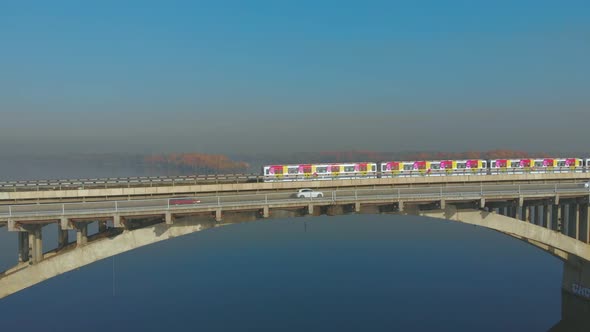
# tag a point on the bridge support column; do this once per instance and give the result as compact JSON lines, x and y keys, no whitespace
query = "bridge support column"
{"x":575,"y":216}
{"x":526,"y":213}
{"x":310,"y":209}
{"x":547,"y":216}
{"x":482,"y":203}
{"x":556,"y":217}
{"x":81,"y":233}
{"x":118,"y":221}
{"x":218,"y":216}
{"x":584,"y":222}
{"x":62,"y":237}
{"x":539,"y":215}
{"x":512,"y":212}
{"x":35,"y":243}
{"x":265,"y":212}
{"x":443,"y":204}
{"x":23,"y":247}
{"x":400,"y":206}
{"x":357,"y":207}
{"x":169,"y":218}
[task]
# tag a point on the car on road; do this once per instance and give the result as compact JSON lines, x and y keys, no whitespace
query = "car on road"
{"x":183,"y":201}
{"x":309,"y":193}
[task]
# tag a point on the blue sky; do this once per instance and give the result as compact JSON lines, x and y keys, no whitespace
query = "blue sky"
{"x":229,"y":76}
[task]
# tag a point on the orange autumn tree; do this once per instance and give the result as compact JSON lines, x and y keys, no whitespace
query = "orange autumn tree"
{"x":196,"y":163}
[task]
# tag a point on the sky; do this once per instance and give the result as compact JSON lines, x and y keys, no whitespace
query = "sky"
{"x":292,"y":76}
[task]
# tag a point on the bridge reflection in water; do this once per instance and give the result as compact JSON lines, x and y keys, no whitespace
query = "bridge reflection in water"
{"x":186,"y":223}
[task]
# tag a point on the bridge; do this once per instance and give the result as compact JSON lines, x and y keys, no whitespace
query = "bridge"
{"x":549,"y":211}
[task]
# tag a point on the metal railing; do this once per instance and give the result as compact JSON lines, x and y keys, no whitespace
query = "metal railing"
{"x":205,"y":202}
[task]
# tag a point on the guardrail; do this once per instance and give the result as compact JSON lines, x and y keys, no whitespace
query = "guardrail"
{"x":167,"y":204}
{"x":133,"y":182}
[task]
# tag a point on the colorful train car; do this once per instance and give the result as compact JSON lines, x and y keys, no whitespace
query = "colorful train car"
{"x":537,"y":165}
{"x":326,"y":171}
{"x":418,"y":168}
{"x":390,"y":169}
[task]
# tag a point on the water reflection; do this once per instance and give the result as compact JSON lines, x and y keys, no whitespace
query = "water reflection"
{"x":326,"y":273}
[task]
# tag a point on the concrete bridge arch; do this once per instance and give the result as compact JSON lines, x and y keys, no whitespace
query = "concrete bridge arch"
{"x":574,"y":253}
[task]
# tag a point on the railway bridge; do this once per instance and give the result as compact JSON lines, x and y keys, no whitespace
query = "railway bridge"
{"x":549,"y":211}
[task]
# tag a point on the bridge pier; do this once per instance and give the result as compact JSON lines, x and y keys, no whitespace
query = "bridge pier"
{"x":169,"y":218}
{"x":556,"y":217}
{"x":35,"y":243}
{"x":539,"y":215}
{"x":575,"y":220}
{"x":62,"y":237}
{"x":526,"y":213}
{"x":547,"y":216}
{"x":23,"y":247}
{"x":265,"y":212}
{"x":218,"y":215}
{"x":512,"y":212}
{"x":584,"y":222}
{"x":81,"y":233}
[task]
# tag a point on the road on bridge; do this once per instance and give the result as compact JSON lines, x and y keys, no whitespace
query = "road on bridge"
{"x":208,"y":201}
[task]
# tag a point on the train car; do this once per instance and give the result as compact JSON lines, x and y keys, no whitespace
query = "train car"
{"x":543,"y":165}
{"x":331,"y":171}
{"x":511,"y":166}
{"x":568,"y":165}
{"x":416,"y":168}
{"x":536,"y":165}
{"x":404,"y":168}
{"x":433,"y":168}
{"x":587,"y":165}
{"x":470,"y":167}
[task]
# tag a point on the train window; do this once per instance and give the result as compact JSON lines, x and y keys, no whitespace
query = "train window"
{"x":362,"y":167}
{"x":278,"y":170}
{"x":321,"y":169}
{"x":293,"y":170}
{"x":408,"y":167}
{"x":515,"y":164}
{"x":493,"y":164}
{"x":335,"y":169}
{"x":349,"y":168}
{"x":538,"y":163}
{"x":266,"y":171}
{"x":461,"y":165}
{"x":435,"y":166}
{"x":373,"y":168}
{"x":561,"y":163}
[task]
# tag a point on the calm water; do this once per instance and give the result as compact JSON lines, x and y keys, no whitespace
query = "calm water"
{"x":347,"y":273}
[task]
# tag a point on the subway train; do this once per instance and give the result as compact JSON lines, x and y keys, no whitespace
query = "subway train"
{"x":417,"y":168}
